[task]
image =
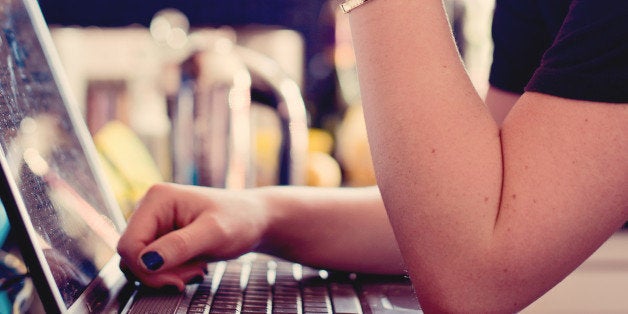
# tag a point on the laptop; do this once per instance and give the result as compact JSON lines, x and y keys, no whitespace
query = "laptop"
{"x":67,"y":223}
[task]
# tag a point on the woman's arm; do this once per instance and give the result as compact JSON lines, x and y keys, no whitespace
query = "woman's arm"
{"x":486,"y":221}
{"x":177,"y":229}
{"x":337,"y":228}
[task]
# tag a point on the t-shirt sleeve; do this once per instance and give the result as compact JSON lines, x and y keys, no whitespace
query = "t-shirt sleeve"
{"x":522,"y":31}
{"x":519,"y":42}
{"x":588,"y":60}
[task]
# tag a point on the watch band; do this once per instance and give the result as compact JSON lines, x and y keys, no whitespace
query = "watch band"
{"x":349,"y":5}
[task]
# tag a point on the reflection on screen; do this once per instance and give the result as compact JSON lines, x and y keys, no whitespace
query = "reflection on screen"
{"x":47,"y":161}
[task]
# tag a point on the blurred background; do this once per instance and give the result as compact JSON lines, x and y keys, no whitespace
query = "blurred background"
{"x":228,"y":93}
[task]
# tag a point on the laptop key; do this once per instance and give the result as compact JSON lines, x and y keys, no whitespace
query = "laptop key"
{"x":384,"y":298}
{"x":344,"y":299}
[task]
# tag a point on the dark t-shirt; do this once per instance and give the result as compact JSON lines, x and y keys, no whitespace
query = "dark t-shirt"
{"x":569,"y":48}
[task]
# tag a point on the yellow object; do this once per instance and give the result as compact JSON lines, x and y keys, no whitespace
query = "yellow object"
{"x":320,"y":141}
{"x":127,"y":163}
{"x":323,"y":170}
{"x":267,"y":144}
{"x":120,"y":188}
{"x":352,"y":149}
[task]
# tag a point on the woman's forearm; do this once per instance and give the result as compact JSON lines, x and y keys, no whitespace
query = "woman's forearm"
{"x":334,"y":228}
{"x":435,"y":147}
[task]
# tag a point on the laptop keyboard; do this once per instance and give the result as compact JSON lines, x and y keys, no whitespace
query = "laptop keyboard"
{"x":258,"y":284}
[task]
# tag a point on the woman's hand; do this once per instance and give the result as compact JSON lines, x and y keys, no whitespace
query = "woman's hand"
{"x":177,"y":229}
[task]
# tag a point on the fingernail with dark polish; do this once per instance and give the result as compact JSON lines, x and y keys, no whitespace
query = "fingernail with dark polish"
{"x":152,"y":260}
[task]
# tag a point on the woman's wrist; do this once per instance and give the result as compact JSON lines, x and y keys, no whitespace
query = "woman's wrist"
{"x":274,"y":214}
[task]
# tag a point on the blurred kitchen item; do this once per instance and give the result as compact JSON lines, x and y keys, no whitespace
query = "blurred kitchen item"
{"x":352,"y":149}
{"x":106,"y":100}
{"x":273,"y":61}
{"x":210,"y":118}
{"x":286,"y":47}
{"x":114,"y":73}
{"x":267,"y":140}
{"x":322,"y":168}
{"x":127,"y":163}
{"x":133,"y":75}
{"x":268,"y":77}
{"x":320,"y":141}
{"x":307,"y":19}
{"x":222,"y":144}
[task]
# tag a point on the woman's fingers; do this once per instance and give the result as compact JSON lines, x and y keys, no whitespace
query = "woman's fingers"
{"x":175,"y":226}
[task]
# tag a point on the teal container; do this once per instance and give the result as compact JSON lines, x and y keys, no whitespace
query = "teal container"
{"x":4,"y":224}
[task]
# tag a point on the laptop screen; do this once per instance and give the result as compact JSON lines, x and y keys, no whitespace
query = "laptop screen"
{"x":47,"y":162}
